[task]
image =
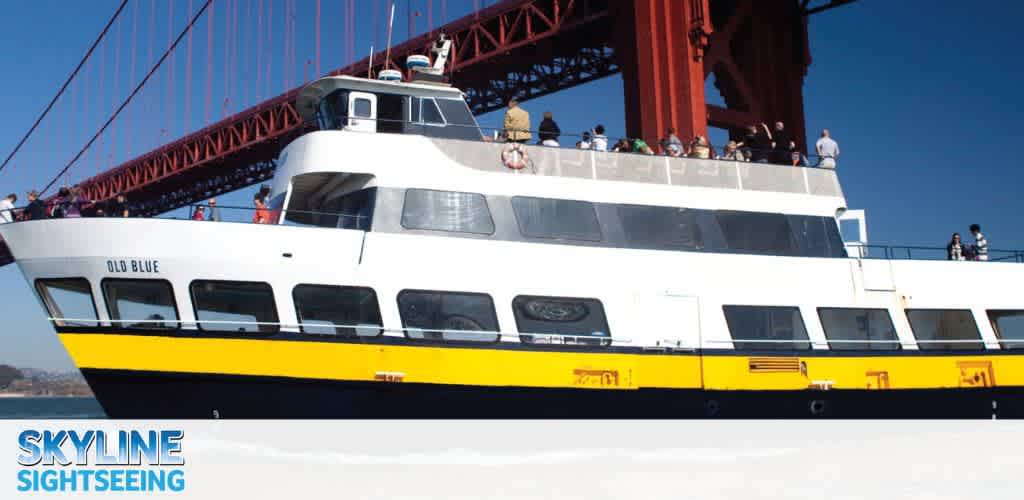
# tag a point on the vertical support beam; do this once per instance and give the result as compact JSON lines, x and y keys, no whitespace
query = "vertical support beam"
{"x":660,"y":47}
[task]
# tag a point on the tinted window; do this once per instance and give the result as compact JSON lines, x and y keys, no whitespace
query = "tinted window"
{"x":69,"y":301}
{"x":351,"y":211}
{"x":845,"y":327}
{"x":662,"y":228}
{"x":429,"y":112}
{"x":557,"y":219}
{"x":333,"y":110}
{"x":759,"y":328}
{"x":1009,"y":328}
{"x":336,"y":310}
{"x":817,"y":236}
{"x":944,"y":329}
{"x":560,"y":316}
{"x":140,"y":303}
{"x":448,"y":316}
{"x":362,"y":107}
{"x":757,"y":232}
{"x":446,"y":211}
{"x":234,"y":306}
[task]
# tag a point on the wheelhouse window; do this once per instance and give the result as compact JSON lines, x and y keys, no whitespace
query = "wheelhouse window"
{"x":337,"y":310}
{"x":561,"y":319}
{"x":1009,"y":328}
{"x":556,"y":219}
{"x":333,"y":110}
{"x":859,"y":329}
{"x":234,"y":306}
{"x":446,"y":211}
{"x":817,"y":236}
{"x":136,"y":303}
{"x":757,"y":232}
{"x":944,"y":329}
{"x":453,"y":316}
{"x":660,"y":228}
{"x":766,"y":328}
{"x":68,"y":301}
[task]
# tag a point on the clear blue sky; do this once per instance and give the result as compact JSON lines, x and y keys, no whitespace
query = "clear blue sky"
{"x":923,"y":97}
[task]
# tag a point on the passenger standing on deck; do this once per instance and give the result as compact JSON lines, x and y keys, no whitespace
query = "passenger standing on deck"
{"x":955,"y":248}
{"x":517,"y":123}
{"x":828,"y":150}
{"x":980,"y":243}
{"x":781,"y":144}
{"x":261,"y":216}
{"x":549,"y":131}
{"x":585,"y":142}
{"x":199,"y":213}
{"x":600,"y":142}
{"x":732,"y":152}
{"x":757,"y":143}
{"x":214,"y":211}
{"x":36,"y":209}
{"x":700,"y":148}
{"x":671,"y":145}
{"x":7,"y":208}
{"x":119,"y":208}
{"x":77,"y":200}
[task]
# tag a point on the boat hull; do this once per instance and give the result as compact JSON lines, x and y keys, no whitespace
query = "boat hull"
{"x":135,"y":394}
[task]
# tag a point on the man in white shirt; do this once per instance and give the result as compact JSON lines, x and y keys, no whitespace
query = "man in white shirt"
{"x":828,"y":150}
{"x":7,"y":208}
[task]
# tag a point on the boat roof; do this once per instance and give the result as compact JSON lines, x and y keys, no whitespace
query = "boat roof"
{"x":311,"y":95}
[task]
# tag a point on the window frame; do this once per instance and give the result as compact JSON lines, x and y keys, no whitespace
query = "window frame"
{"x":887,"y":345}
{"x":958,"y":344}
{"x":121,"y":321}
{"x":56,"y":322}
{"x":577,"y":339}
{"x":444,"y":119}
{"x":199,"y":322}
{"x":355,"y":334}
{"x":523,"y":233}
{"x":775,"y":346}
{"x":1007,"y":344}
{"x":355,"y":108}
{"x":405,"y":202}
{"x":405,"y":328}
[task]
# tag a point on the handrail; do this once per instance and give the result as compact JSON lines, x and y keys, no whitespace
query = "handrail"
{"x":907,"y":252}
{"x":392,"y":331}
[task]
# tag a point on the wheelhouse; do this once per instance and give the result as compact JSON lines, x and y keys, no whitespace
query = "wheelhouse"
{"x":362,"y":105}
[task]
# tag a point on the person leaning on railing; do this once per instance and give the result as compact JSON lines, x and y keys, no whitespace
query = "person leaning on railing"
{"x":517,"y":123}
{"x":7,"y":208}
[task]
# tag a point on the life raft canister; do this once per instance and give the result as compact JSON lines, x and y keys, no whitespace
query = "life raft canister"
{"x":514,"y":156}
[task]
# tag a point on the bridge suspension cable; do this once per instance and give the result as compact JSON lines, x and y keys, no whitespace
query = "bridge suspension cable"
{"x":156,"y":66}
{"x":64,"y":87}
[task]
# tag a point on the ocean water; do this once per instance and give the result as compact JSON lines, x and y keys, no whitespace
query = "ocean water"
{"x":32,"y":408}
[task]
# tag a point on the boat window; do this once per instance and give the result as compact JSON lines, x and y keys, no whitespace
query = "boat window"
{"x":446,"y":211}
{"x":456,"y":111}
{"x":1009,"y":328}
{"x":766,"y":328}
{"x":938,"y":329}
{"x":234,"y":306}
{"x":68,"y":301}
{"x":350,"y":211}
{"x":859,"y":329}
{"x":455,"y":316}
{"x":429,"y":113}
{"x":337,"y":310}
{"x":333,"y":110}
{"x":660,"y":228}
{"x":556,"y":219}
{"x":817,"y":236}
{"x":362,"y":108}
{"x":135,"y":303}
{"x":561,"y":319}
{"x":757,"y":232}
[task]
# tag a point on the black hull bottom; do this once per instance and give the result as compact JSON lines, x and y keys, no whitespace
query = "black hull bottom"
{"x":163,"y":395}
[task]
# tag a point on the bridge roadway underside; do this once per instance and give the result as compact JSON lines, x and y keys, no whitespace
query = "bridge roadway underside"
{"x":665,"y":49}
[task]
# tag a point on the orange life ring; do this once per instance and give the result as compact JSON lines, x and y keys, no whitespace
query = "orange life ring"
{"x":514,"y":156}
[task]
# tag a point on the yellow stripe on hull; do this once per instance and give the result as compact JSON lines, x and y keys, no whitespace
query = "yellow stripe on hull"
{"x":368,"y":362}
{"x":483,"y":366}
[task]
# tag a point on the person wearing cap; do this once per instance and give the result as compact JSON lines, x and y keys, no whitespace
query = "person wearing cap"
{"x":36,"y":209}
{"x":517,"y":123}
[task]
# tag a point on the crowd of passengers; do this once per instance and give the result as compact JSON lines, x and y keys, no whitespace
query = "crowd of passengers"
{"x":760,"y":144}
